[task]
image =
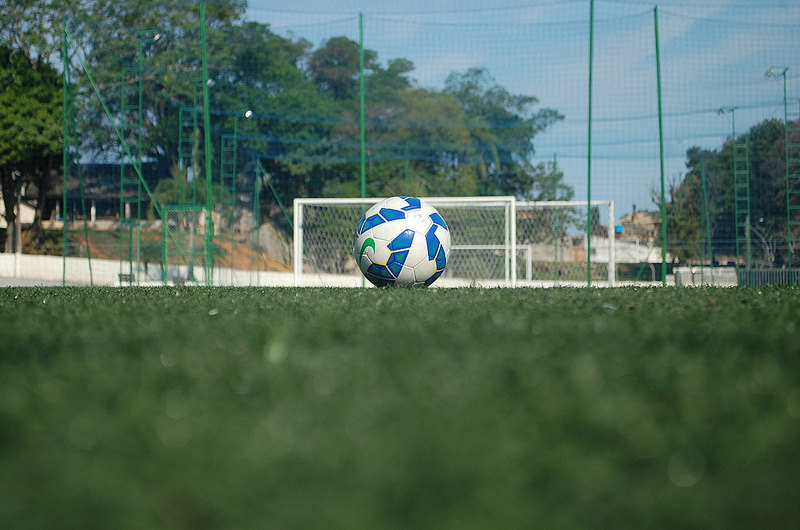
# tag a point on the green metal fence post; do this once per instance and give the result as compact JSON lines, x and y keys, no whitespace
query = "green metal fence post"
{"x":788,"y":185}
{"x":661,"y":156}
{"x":164,"y":263}
{"x":556,"y":224}
{"x":706,"y":217}
{"x":65,"y":155}
{"x":589,"y":152}
{"x":362,"y":110}
{"x":209,"y":228}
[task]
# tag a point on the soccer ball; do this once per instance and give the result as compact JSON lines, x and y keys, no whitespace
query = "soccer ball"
{"x":401,"y":241}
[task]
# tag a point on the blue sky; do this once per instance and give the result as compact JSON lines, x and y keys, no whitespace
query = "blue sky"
{"x":713,"y":52}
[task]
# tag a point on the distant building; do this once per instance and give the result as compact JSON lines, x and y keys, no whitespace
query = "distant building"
{"x":639,"y":227}
{"x":26,"y":214}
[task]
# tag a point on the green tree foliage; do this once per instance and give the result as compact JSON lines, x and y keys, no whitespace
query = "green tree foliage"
{"x":471,"y":138}
{"x":335,"y":67}
{"x":501,"y":127}
{"x":552,"y":223}
{"x":293,"y":109}
{"x":688,"y":208}
{"x":30,"y":130}
{"x":33,"y":26}
{"x":155,"y":45}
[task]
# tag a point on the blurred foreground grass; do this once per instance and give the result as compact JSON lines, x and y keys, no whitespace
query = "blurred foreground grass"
{"x":398,"y":408}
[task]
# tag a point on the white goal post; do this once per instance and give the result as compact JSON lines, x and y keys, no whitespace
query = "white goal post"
{"x":496,"y":241}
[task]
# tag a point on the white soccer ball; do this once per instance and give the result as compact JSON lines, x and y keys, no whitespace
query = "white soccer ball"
{"x":402,"y":241}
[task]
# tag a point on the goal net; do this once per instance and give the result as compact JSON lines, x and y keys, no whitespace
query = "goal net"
{"x":496,"y":241}
{"x":556,"y":245}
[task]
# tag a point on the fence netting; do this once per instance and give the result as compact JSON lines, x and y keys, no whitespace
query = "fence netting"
{"x":684,"y":114}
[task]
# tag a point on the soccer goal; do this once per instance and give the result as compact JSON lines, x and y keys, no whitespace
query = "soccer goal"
{"x":496,"y":241}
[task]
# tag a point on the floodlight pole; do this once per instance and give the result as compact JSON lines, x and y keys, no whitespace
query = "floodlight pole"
{"x":143,"y":36}
{"x":736,"y":205}
{"x":134,"y":255}
{"x":786,"y":169}
{"x":732,"y":111}
{"x":776,"y":71}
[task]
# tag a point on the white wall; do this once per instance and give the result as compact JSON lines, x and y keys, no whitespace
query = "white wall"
{"x":79,"y":271}
{"x":27,"y":214}
{"x":626,"y":251}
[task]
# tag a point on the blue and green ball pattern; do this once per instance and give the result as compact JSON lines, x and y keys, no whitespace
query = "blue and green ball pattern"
{"x":402,"y":240}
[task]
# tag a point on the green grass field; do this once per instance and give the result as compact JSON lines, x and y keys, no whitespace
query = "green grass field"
{"x":399,"y":408}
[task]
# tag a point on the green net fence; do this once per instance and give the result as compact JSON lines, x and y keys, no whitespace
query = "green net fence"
{"x":684,"y":115}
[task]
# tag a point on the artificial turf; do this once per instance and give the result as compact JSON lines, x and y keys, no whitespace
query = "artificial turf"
{"x":397,"y":408}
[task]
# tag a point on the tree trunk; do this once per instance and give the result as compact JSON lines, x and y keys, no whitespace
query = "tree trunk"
{"x":8,"y":189}
{"x":11,"y":233}
{"x":42,"y":187}
{"x":18,"y":232}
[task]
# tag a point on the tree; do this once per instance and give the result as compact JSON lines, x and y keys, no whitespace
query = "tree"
{"x":155,"y":44}
{"x":387,"y":94}
{"x":291,"y":119}
{"x":416,"y":145}
{"x":335,"y":67}
{"x":30,"y":132}
{"x":502,"y":127}
{"x":553,"y":223}
{"x":688,"y":207}
{"x":34,"y":26}
{"x":472,"y":137}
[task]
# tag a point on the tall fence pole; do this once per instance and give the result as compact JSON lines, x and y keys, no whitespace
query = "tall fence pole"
{"x":209,"y":228}
{"x":65,"y":155}
{"x":706,"y":219}
{"x":362,"y":110}
{"x":661,"y":155}
{"x":589,"y":152}
{"x":790,"y":253}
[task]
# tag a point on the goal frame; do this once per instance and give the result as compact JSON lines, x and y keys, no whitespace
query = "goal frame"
{"x":509,"y":245}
